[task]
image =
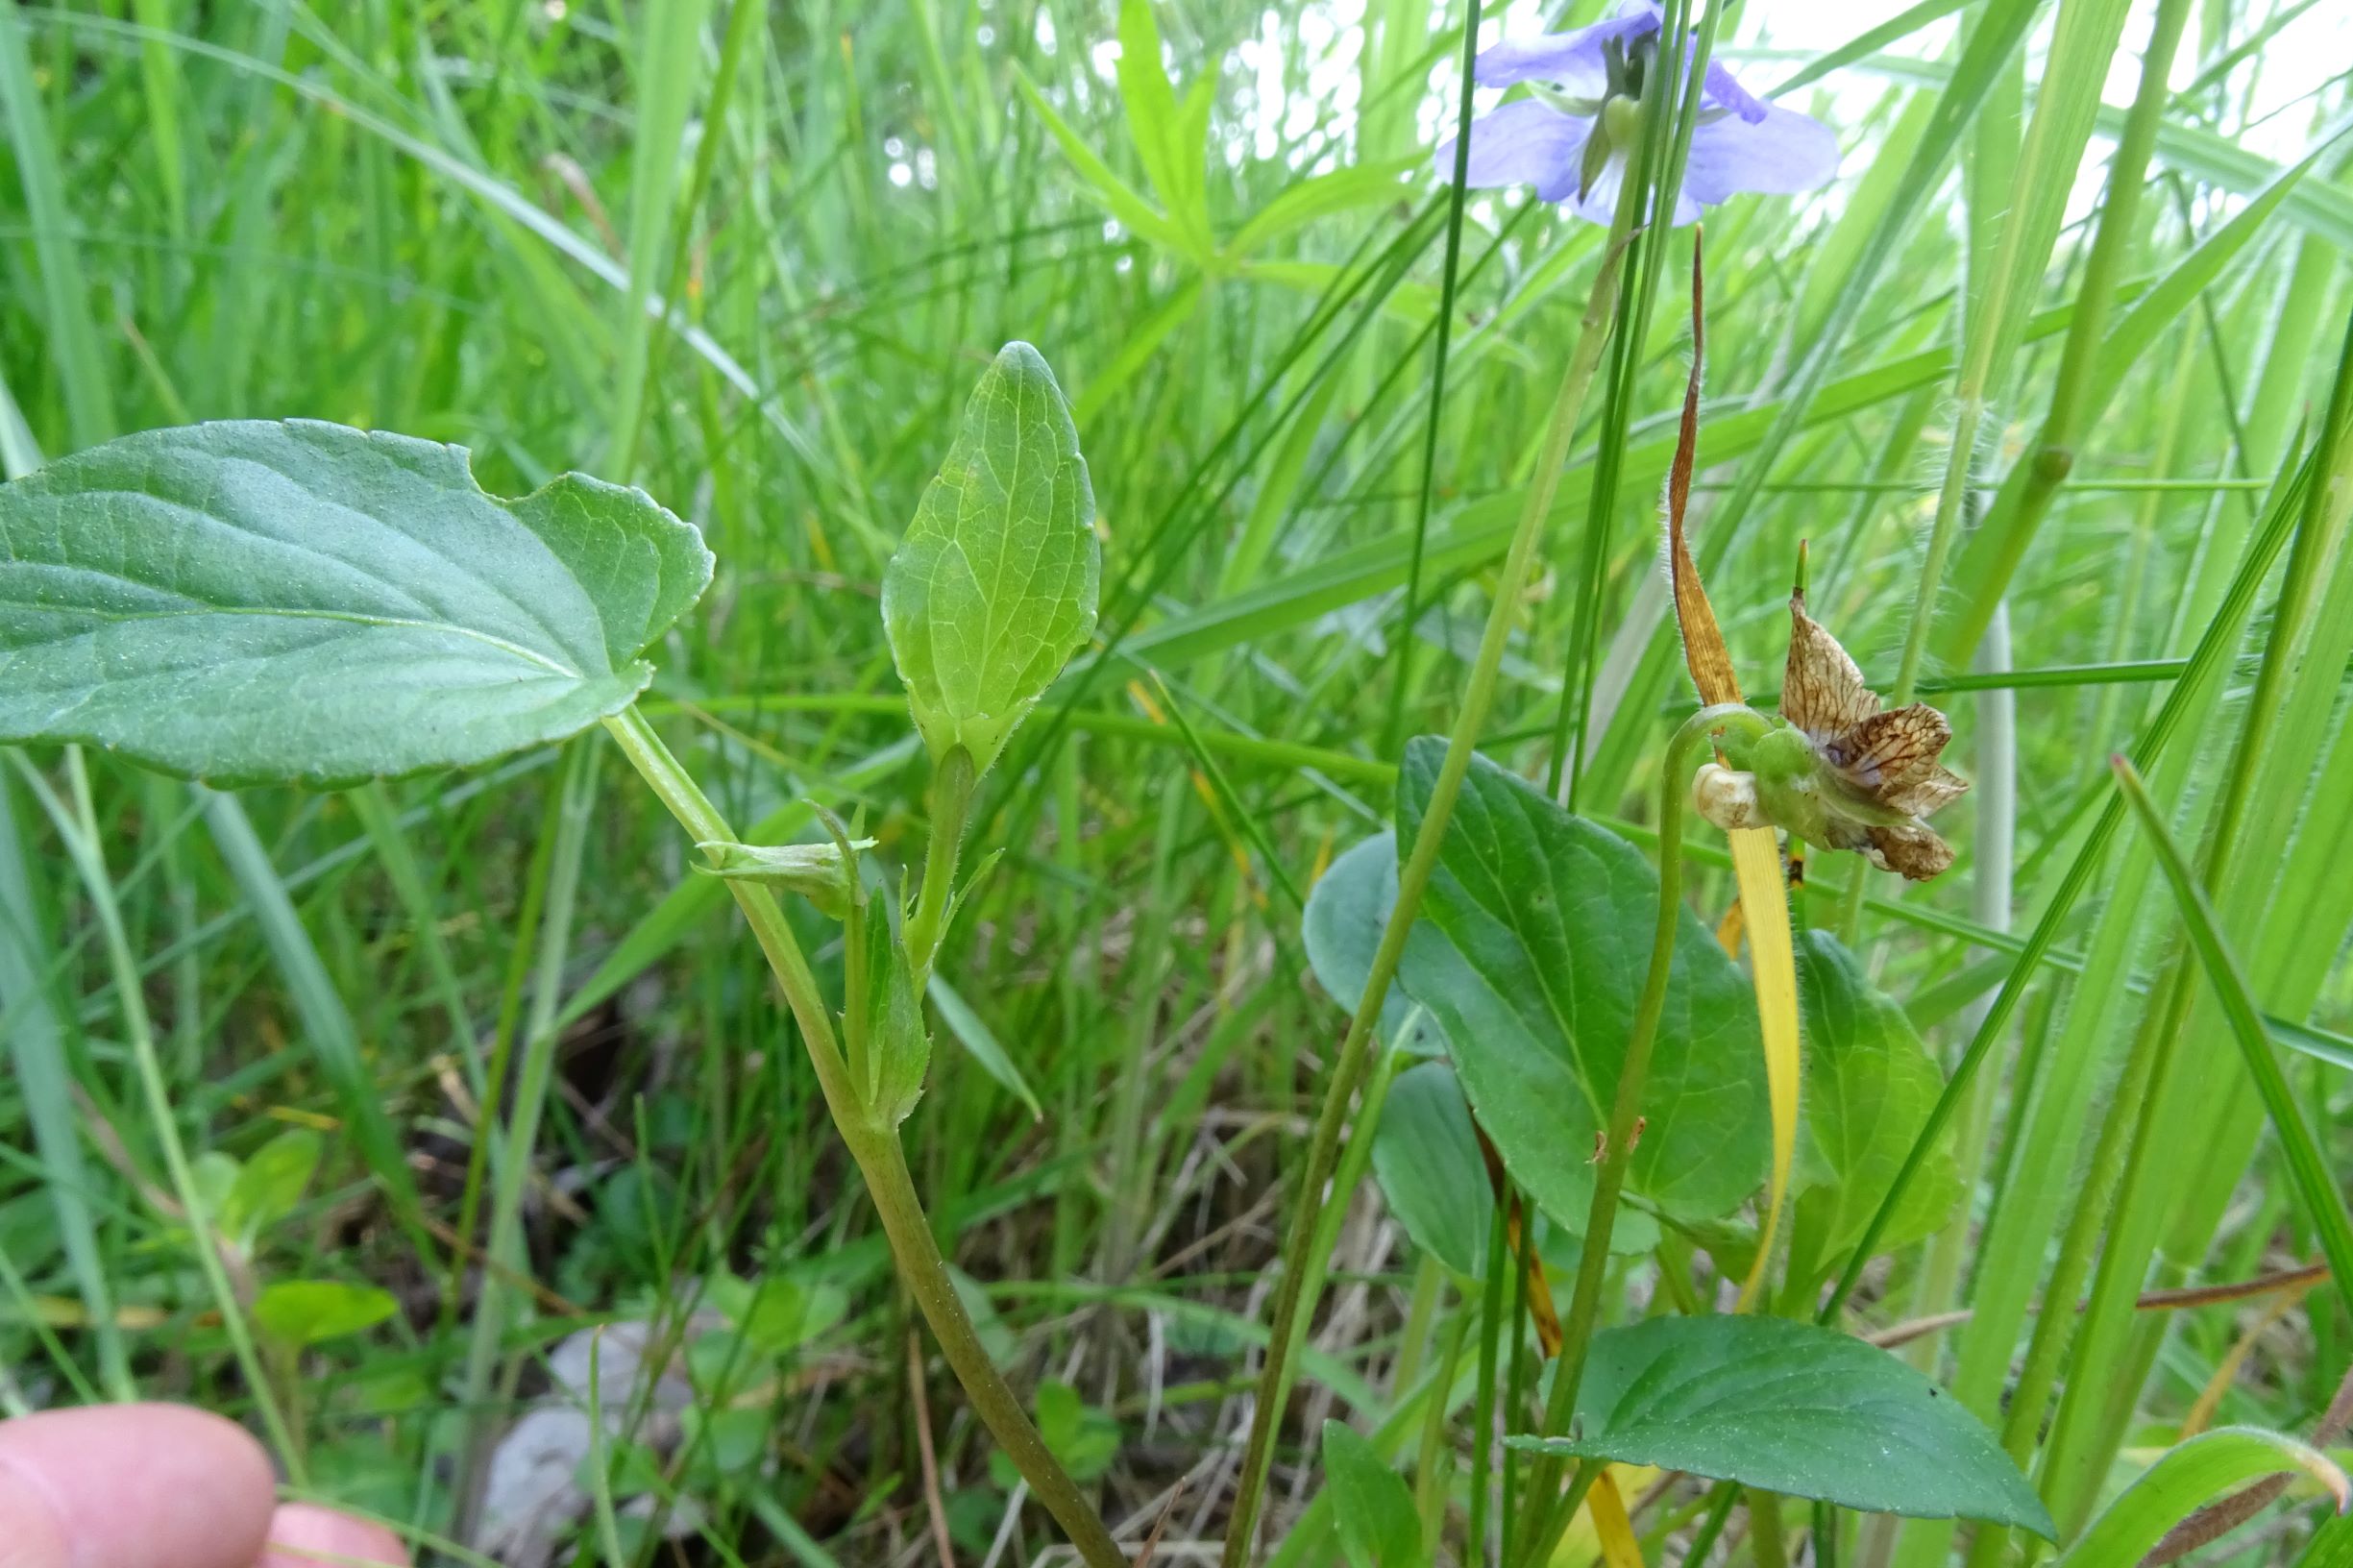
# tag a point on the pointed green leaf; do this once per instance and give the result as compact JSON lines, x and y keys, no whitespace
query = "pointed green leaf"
{"x":253,"y":601}
{"x":268,"y":1186}
{"x":898,"y":1047}
{"x":1380,"y":1527}
{"x":1536,"y":938}
{"x":1318,"y":196}
{"x":816,"y":871}
{"x":2186,"y":1478}
{"x":1793,"y":1409}
{"x":973,"y":1031}
{"x":1122,"y":199}
{"x":1870,"y":1086}
{"x":994,"y":586}
{"x":1171,"y":141}
{"x":303,"y":1312}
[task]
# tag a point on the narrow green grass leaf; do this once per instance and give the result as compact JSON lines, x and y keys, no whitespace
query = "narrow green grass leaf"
{"x":974,"y":1034}
{"x":2189,"y":1476}
{"x":328,"y":1029}
{"x":73,"y":336}
{"x":1116,"y":195}
{"x":2322,"y":1200}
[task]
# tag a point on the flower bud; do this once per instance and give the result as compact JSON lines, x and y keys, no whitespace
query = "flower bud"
{"x":1727,"y":799}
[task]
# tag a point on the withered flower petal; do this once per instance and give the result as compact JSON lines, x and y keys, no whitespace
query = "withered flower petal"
{"x":1882,"y":763}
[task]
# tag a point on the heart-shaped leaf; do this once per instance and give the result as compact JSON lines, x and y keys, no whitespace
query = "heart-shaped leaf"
{"x":1793,"y":1409}
{"x":1536,"y":938}
{"x":993,"y":588}
{"x":256,"y":602}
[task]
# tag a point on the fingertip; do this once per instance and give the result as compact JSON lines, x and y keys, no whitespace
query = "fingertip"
{"x":131,"y":1485}
{"x":304,"y":1535}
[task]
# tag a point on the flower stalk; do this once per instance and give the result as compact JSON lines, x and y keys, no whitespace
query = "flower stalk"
{"x":1413,"y":877}
{"x":1550,"y":1509}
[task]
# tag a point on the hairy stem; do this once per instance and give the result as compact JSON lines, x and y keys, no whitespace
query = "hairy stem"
{"x":880,"y":1161}
{"x":1348,"y":1073}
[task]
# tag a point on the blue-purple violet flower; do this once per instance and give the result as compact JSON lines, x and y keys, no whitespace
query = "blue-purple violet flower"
{"x":1570,"y":141}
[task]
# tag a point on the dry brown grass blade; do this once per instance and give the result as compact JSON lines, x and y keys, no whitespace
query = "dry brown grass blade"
{"x":1168,"y":1510}
{"x":1540,"y":1308}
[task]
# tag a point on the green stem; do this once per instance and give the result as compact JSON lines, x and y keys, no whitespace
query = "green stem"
{"x":1551,"y":1514}
{"x":1490,"y":1345}
{"x":951,"y":806}
{"x":1355,"y":1056}
{"x":881,"y":1161}
{"x":553,"y":901}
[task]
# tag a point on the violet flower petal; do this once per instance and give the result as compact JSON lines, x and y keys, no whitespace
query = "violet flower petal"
{"x":1524,"y":143}
{"x":1572,"y":62}
{"x":1784,"y":153}
{"x":1600,"y":204}
{"x":1721,"y":86}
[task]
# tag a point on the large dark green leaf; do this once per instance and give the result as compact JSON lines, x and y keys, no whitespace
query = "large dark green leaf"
{"x":1793,"y":1409}
{"x":1870,"y":1086}
{"x":255,"y":600}
{"x":1537,"y":937}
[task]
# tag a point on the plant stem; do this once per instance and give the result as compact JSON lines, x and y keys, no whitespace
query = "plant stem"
{"x":951,"y":805}
{"x":1548,"y":1513}
{"x":880,"y":1161}
{"x":1413,"y":877}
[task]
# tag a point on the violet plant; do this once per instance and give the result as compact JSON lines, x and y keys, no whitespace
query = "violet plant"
{"x":298,"y":602}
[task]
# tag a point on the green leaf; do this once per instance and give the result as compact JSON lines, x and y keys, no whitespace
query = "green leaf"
{"x":1320,"y":196}
{"x":1123,"y":201}
{"x":1534,"y":941}
{"x":1793,"y":1409}
{"x":897,"y":1045}
{"x":256,"y":602}
{"x":1346,"y":911}
{"x":2187,"y":1477}
{"x":994,"y":586}
{"x":1171,"y":142}
{"x":1870,"y":1086}
{"x":1380,"y":1527}
{"x":978,"y":1039}
{"x":1084,"y":1439}
{"x":776,"y":1314}
{"x":303,"y":1312}
{"x":1426,"y":1157}
{"x":726,"y":1441}
{"x":268,"y":1186}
